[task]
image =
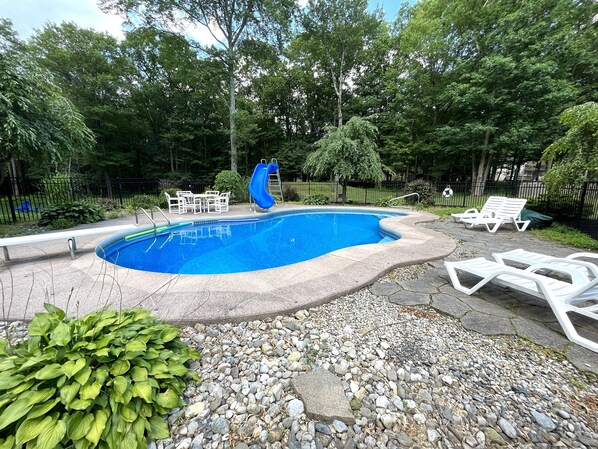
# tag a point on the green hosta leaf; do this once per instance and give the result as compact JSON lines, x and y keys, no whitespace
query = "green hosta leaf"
{"x":31,"y":428}
{"x":169,"y":399}
{"x":7,"y":363}
{"x":158,"y":368}
{"x":97,"y":427}
{"x":51,"y":435}
{"x":61,"y":335}
{"x":40,"y":325}
{"x":40,"y":396}
{"x":120,"y":384}
{"x":42,"y":409}
{"x":177,"y":369}
{"x":101,"y":374}
{"x":49,"y":372}
{"x":79,"y":404}
{"x":51,"y":308}
{"x":104,"y":352}
{"x":14,"y":412}
{"x":128,"y":441}
{"x":72,"y":367}
{"x":120,"y":367}
{"x":128,"y":414}
{"x":169,"y":334}
{"x":9,"y":380}
{"x":139,"y":374}
{"x":78,"y":425}
{"x":142,"y":390}
{"x":135,"y":346}
{"x":83,"y":375}
{"x":104,"y":341}
{"x":69,"y":392}
{"x":22,"y":387}
{"x":3,"y":346}
{"x":85,"y":444}
{"x":158,"y":429}
{"x":9,"y":443}
{"x":90,"y":391}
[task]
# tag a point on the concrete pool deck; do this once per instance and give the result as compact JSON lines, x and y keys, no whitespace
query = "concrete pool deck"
{"x":44,"y":273}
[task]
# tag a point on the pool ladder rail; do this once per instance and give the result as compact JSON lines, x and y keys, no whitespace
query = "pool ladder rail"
{"x":402,"y":197}
{"x":150,"y":216}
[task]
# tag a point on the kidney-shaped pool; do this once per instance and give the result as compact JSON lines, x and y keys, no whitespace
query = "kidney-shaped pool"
{"x":247,"y":244}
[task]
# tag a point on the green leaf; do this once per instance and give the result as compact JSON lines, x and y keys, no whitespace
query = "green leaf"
{"x":40,"y":396}
{"x":79,"y":404}
{"x":135,"y":346}
{"x":128,"y":414}
{"x":72,"y":367}
{"x":158,"y":429}
{"x":69,"y":392}
{"x":120,"y":367}
{"x":169,"y":334}
{"x":120,"y":384}
{"x":139,"y":374}
{"x":52,"y":309}
{"x":61,"y":335}
{"x":14,"y":412}
{"x":49,"y":372}
{"x":9,"y":380}
{"x":83,"y":375}
{"x":40,"y":325}
{"x":101,"y":374}
{"x":99,"y":422}
{"x":42,"y":409}
{"x":51,"y":435}
{"x":9,"y":443}
{"x":169,"y":399}
{"x":31,"y":428}
{"x":78,"y":425}
{"x":177,"y":369}
{"x":90,"y":391}
{"x":7,"y":363}
{"x":142,"y":390}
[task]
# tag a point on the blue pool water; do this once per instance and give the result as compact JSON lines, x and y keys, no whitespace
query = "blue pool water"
{"x":233,"y":246}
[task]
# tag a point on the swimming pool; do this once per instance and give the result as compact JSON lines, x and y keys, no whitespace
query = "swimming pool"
{"x":245,"y":244}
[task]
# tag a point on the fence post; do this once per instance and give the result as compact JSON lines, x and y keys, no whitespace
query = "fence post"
{"x":366,"y":196}
{"x":120,"y":191}
{"x":464,"y":192}
{"x":11,"y":203}
{"x":582,"y":200}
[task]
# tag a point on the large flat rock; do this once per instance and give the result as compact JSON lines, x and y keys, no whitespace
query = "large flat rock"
{"x":323,"y":396}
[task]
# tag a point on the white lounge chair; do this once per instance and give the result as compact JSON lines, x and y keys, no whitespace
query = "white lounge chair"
{"x":572,"y":261}
{"x":508,"y":213}
{"x":177,"y":203}
{"x":580,"y":296}
{"x":491,"y":206}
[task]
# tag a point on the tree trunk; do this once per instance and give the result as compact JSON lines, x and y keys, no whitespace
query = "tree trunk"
{"x":232,"y":110}
{"x":480,"y":173}
{"x":344,"y":194}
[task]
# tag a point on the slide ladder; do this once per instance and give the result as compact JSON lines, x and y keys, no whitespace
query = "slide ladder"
{"x":275,"y":184}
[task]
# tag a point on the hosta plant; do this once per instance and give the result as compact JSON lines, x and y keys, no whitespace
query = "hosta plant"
{"x":103,"y":380}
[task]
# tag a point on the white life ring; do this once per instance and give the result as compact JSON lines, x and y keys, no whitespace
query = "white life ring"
{"x":448,"y":192}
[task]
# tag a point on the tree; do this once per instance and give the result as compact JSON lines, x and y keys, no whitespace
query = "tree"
{"x":576,"y":152}
{"x":231,"y":22}
{"x":38,"y":122}
{"x":336,"y":34}
{"x":348,"y":152}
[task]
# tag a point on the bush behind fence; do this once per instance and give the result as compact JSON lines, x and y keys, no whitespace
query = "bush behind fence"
{"x":22,"y":200}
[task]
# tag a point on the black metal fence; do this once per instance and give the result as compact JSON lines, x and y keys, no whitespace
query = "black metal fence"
{"x":22,"y":200}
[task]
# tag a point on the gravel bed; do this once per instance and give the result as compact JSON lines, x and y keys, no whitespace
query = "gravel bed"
{"x":413,"y":378}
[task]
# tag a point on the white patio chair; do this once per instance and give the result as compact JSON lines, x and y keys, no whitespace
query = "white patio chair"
{"x":186,"y":198}
{"x":174,"y":202}
{"x":489,"y":208}
{"x":223,"y":199}
{"x":508,"y":213}
{"x":573,"y":261}
{"x":580,"y":296}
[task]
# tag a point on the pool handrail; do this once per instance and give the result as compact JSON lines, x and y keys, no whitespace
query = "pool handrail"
{"x":403,"y":196}
{"x":151,"y":218}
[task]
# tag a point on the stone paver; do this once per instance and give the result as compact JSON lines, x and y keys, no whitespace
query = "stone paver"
{"x":450,"y":305}
{"x":384,"y":288}
{"x":539,"y":334}
{"x":486,"y":324}
{"x":407,"y":298}
{"x":323,"y":396}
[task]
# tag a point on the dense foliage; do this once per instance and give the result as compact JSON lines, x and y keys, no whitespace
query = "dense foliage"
{"x":103,"y":380}
{"x":69,"y":214}
{"x":467,"y":89}
{"x":229,"y":181}
{"x":316,"y":200}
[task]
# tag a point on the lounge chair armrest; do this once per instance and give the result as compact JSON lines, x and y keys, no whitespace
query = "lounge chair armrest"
{"x":582,"y":255}
{"x":577,"y":277}
{"x":589,"y":266}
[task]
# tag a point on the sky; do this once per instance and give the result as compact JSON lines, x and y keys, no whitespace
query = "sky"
{"x":27,"y":15}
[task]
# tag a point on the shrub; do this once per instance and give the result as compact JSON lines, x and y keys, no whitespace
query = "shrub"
{"x":229,"y":181}
{"x":76,"y":212}
{"x":315,"y":200}
{"x":107,"y":204}
{"x":382,"y":202}
{"x":58,"y":188}
{"x":144,"y":201}
{"x":425,"y":190}
{"x":289,"y":193}
{"x":62,"y":223}
{"x":103,"y":380}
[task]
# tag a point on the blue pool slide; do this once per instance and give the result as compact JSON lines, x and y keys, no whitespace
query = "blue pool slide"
{"x":258,"y":185}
